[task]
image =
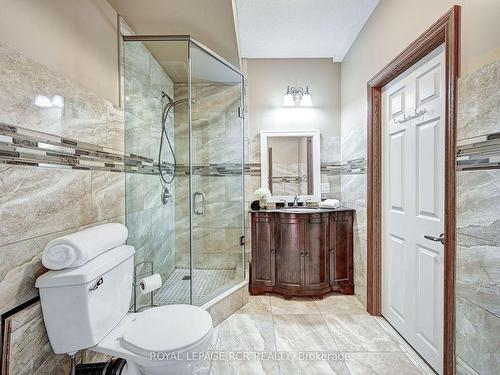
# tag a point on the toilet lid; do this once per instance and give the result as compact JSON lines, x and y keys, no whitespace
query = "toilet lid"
{"x":166,"y":329}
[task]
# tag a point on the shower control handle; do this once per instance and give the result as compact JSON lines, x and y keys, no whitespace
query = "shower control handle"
{"x":203,"y":209}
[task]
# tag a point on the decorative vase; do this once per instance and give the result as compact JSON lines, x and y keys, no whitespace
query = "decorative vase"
{"x":263,"y":202}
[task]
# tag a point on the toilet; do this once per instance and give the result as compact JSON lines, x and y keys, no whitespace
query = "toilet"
{"x":87,"y":307}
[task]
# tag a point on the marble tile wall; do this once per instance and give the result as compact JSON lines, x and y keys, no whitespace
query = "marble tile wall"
{"x":150,"y":222}
{"x":229,"y":305}
{"x":353,"y":194}
{"x":38,"y":204}
{"x":216,"y":139}
{"x":30,"y":351}
{"x":478,"y":228}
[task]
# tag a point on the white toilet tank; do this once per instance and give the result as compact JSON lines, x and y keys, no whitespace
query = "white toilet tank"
{"x":82,"y":305}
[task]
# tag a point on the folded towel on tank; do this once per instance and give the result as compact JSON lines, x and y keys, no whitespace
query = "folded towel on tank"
{"x":76,"y":249}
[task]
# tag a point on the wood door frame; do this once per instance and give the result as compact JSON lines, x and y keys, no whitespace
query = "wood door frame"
{"x":445,"y":31}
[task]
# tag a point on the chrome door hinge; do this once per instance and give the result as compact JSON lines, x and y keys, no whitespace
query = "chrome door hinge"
{"x":241,"y":113}
{"x":242,"y":241}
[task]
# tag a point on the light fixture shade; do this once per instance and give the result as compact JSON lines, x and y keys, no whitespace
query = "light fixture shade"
{"x":306,"y":100}
{"x":288,"y":101}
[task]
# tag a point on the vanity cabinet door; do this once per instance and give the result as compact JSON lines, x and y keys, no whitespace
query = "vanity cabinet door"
{"x":341,"y":272}
{"x":290,"y":247}
{"x":263,"y":250}
{"x":316,"y":262}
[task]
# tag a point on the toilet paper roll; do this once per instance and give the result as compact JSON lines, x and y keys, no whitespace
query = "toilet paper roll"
{"x":150,"y":283}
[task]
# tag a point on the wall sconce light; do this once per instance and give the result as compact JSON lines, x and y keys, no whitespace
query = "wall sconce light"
{"x":297,"y":96}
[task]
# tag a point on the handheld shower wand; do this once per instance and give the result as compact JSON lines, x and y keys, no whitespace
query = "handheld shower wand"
{"x":164,"y":179}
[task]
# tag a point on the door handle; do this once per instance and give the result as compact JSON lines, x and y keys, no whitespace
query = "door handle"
{"x":435,"y":239}
{"x":203,"y":209}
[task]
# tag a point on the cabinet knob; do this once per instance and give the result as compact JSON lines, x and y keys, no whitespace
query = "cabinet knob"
{"x":332,"y":250}
{"x":306,"y":253}
{"x":273,"y":251}
{"x":301,"y":254}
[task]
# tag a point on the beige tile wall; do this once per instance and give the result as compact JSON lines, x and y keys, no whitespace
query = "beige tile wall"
{"x":150,"y":223}
{"x":38,"y":204}
{"x":216,"y":139}
{"x":478,"y":230}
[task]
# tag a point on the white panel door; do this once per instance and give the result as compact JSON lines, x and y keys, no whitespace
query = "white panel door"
{"x":413,"y":204}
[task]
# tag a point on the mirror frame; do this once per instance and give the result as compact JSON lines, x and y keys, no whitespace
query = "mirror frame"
{"x":316,"y":154}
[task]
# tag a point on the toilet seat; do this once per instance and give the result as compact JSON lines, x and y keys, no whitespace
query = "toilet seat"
{"x":164,"y":329}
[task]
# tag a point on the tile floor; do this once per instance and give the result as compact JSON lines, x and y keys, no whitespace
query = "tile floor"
{"x":206,"y":284}
{"x":336,"y":334}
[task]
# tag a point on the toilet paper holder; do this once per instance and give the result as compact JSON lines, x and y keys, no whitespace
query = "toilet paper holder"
{"x":137,"y":277}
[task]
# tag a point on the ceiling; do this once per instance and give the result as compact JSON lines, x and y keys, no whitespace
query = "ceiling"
{"x":172,"y":57}
{"x":209,"y":21}
{"x":300,"y":28}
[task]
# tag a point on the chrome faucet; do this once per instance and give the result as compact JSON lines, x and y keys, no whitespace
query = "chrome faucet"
{"x":296,"y":201}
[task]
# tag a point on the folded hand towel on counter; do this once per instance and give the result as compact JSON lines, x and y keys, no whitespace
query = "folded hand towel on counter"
{"x":330,"y":203}
{"x":78,"y":248}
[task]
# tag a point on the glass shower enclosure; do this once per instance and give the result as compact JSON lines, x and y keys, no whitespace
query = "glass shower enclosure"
{"x":185,"y":186}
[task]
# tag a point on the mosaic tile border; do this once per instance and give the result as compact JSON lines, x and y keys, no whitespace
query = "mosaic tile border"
{"x":354,"y":166}
{"x":331,"y":169}
{"x":214,"y":170}
{"x":20,"y":146}
{"x":290,"y":179}
{"x":252,"y":169}
{"x":479,"y":153}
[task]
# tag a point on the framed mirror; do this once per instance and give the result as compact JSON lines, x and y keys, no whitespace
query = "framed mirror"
{"x":290,"y":164}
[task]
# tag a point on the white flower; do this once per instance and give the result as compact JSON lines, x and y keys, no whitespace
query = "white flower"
{"x":262,"y":193}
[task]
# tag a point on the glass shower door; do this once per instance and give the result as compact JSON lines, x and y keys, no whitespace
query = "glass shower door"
{"x":216,"y":170}
{"x":155,"y":76}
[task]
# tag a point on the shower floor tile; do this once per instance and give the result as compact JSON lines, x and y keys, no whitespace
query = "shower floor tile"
{"x":206,"y":283}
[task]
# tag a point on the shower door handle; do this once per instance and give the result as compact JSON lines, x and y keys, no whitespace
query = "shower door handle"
{"x":203,"y":209}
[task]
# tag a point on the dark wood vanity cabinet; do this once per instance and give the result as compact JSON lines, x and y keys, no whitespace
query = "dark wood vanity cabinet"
{"x":264,"y":272}
{"x":341,"y":258}
{"x":315,"y":245}
{"x":302,"y":254}
{"x":289,"y":234}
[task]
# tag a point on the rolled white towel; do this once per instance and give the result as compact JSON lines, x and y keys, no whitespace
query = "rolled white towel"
{"x":78,"y":248}
{"x":330,"y":203}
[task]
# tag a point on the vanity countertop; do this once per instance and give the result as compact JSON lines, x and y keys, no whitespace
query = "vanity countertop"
{"x":304,"y":210}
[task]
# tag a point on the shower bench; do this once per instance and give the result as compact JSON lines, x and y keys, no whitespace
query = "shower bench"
{"x":302,"y":253}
